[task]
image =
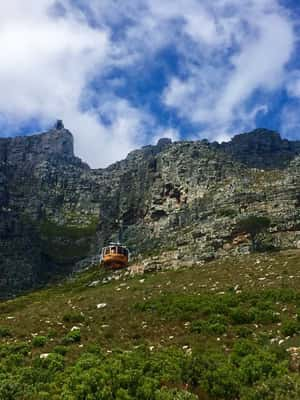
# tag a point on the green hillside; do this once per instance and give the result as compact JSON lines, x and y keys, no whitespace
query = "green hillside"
{"x":227,"y":330}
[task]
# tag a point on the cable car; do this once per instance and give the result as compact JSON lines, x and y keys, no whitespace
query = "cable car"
{"x":115,"y":256}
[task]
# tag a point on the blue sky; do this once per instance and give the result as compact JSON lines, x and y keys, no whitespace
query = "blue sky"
{"x":123,"y":73}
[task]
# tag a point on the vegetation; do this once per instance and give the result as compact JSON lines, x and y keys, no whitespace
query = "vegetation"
{"x":39,"y":341}
{"x":73,"y":317}
{"x":52,"y":230}
{"x":142,"y":374}
{"x":227,"y":212}
{"x":65,"y":243}
{"x":4,"y":332}
{"x":253,"y":225}
{"x":219,"y":332}
{"x":72,"y":337}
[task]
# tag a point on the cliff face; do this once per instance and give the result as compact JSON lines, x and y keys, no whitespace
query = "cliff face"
{"x":262,"y":148}
{"x":179,"y":202}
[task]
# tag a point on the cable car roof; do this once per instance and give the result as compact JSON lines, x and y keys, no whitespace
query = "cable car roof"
{"x":114,"y":245}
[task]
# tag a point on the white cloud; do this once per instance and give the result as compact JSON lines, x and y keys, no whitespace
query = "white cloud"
{"x":216,"y":93}
{"x":227,"y":50}
{"x":293,"y":84}
{"x":103,"y":144}
{"x":259,"y":65}
{"x":290,"y":121}
{"x":47,"y":63}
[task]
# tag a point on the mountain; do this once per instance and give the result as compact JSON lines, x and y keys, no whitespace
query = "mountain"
{"x":180,"y":203}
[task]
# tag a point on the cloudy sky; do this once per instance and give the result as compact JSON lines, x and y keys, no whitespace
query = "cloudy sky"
{"x":122,"y":73}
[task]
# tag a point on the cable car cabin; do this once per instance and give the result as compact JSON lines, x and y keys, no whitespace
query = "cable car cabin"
{"x":115,"y":256}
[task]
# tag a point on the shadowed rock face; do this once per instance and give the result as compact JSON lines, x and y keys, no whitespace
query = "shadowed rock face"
{"x":182,"y":198}
{"x":37,"y":148}
{"x":262,"y":149}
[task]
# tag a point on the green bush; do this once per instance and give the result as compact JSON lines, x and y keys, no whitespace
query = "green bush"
{"x":72,"y":337}
{"x":39,"y":341}
{"x":62,"y":350}
{"x":290,"y":328}
{"x":227,"y":212}
{"x":266,"y":317}
{"x":73,"y":317}
{"x":243,"y":332}
{"x":241,"y":316}
{"x":215,"y":374}
{"x":4,"y":332}
{"x":242,"y":348}
{"x":187,"y":307}
{"x":280,"y":388}
{"x":46,"y":366}
{"x":174,"y":394}
{"x":213,"y":326}
{"x":164,"y":374}
{"x":253,"y":225}
{"x":259,"y":366}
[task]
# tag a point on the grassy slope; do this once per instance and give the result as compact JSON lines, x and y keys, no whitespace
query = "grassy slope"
{"x":155,"y":309}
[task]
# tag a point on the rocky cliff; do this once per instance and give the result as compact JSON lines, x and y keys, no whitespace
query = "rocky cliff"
{"x":179,"y":202}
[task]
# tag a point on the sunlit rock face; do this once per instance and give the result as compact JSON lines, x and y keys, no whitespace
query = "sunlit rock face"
{"x":178,"y":203}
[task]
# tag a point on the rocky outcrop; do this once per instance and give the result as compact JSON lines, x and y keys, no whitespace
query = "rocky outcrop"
{"x":262,"y":149}
{"x":179,"y":203}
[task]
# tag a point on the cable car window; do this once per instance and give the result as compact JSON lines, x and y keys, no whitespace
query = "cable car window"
{"x":113,"y":250}
{"x":107,"y":250}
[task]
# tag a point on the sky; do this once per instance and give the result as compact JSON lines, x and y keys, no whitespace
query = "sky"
{"x":123,"y":73}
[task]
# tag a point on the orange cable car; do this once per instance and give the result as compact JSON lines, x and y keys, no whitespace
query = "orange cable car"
{"x":115,"y":256}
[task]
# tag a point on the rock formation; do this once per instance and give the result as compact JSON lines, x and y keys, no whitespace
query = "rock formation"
{"x":179,"y":202}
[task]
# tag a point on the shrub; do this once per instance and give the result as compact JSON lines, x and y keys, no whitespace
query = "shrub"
{"x":282,"y":295}
{"x":73,"y":317}
{"x":244,"y":332}
{"x":39,"y":341}
{"x":72,"y":337}
{"x":241,"y":316}
{"x":227,"y":212}
{"x":253,"y":225}
{"x":256,"y":367}
{"x":290,"y":328}
{"x":53,"y":363}
{"x":62,"y":350}
{"x":215,"y":325}
{"x":20,"y":348}
{"x":266,"y":317}
{"x":280,"y":388}
{"x":9,"y":389}
{"x":174,"y":394}
{"x":223,"y":382}
{"x":241,"y":349}
{"x":51,"y":334}
{"x":4,"y":332}
{"x":215,"y":374}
